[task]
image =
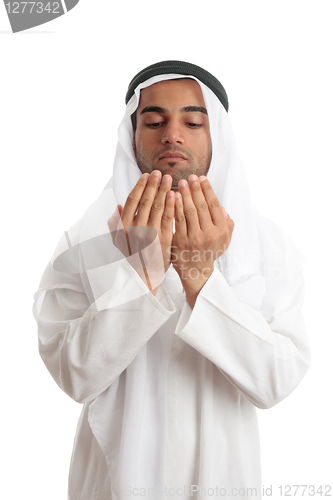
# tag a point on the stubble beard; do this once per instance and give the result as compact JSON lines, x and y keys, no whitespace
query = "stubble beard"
{"x":148,"y":163}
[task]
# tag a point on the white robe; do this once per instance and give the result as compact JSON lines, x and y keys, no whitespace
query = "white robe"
{"x":170,"y":393}
{"x":225,"y":360}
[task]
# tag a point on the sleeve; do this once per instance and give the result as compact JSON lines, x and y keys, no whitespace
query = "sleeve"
{"x":265,"y":360}
{"x":86,"y":347}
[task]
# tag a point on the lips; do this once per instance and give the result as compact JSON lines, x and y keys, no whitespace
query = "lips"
{"x":174,"y":156}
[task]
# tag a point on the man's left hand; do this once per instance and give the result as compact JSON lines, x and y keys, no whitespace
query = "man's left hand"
{"x":203,"y":231}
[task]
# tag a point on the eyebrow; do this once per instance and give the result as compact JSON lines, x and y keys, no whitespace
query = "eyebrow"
{"x":186,"y":109}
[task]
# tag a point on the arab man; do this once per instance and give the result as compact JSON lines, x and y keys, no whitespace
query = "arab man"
{"x":172,"y":309}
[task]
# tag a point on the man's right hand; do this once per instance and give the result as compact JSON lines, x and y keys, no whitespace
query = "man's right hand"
{"x":148,"y":213}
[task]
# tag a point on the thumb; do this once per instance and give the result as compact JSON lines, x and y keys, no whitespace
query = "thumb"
{"x":229,"y":221}
{"x":119,"y":210}
{"x":231,"y":225}
{"x":114,"y":220}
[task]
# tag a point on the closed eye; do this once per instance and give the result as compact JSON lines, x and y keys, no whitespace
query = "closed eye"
{"x":189,"y":124}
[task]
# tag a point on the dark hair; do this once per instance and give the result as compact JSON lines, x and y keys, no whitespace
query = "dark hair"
{"x":133,"y":120}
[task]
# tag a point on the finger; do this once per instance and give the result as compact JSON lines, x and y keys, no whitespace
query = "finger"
{"x":213,"y":203}
{"x":168,"y":213}
{"x":133,"y":200}
{"x":113,"y":222}
{"x":200,"y":202}
{"x":158,"y":205}
{"x":120,"y":209}
{"x":231,"y":227}
{"x":229,"y":221}
{"x":147,"y":198}
{"x":190,"y":211}
{"x":180,"y":219}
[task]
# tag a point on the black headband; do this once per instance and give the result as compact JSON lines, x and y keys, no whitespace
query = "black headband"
{"x":181,"y":68}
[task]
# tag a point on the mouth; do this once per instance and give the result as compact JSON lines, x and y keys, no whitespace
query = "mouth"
{"x":172,"y":156}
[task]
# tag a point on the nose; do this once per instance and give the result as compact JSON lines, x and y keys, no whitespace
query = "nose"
{"x":172,"y":134}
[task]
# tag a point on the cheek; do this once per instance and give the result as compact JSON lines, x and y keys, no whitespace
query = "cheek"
{"x":208,"y":140}
{"x":146,"y":145}
{"x":141,"y":141}
{"x":205,"y":144}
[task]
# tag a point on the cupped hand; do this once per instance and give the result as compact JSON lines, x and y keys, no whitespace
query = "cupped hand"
{"x":142,"y":229}
{"x":203,"y":232}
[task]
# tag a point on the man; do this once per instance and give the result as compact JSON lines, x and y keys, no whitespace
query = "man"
{"x":175,"y":328}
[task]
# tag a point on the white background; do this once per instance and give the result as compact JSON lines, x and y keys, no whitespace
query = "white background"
{"x":62,"y":91}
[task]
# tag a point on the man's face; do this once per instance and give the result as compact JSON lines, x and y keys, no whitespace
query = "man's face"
{"x":172,"y":133}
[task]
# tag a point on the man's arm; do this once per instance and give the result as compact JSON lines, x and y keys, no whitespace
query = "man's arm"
{"x":265,"y":360}
{"x":86,"y":346}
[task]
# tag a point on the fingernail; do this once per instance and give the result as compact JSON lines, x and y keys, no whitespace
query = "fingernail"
{"x":202,"y":178}
{"x":166,"y":178}
{"x":145,"y":176}
{"x":182,"y":183}
{"x":156,"y":173}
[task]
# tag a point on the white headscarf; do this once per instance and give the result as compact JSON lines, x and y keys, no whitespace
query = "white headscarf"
{"x":257,"y":268}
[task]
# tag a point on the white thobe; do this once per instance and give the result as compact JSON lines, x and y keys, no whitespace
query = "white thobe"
{"x":225,"y":361}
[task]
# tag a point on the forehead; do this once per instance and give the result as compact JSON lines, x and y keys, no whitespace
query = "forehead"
{"x":172,"y":94}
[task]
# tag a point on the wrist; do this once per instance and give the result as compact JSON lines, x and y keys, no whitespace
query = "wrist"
{"x":191,"y":277}
{"x":193,"y":281}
